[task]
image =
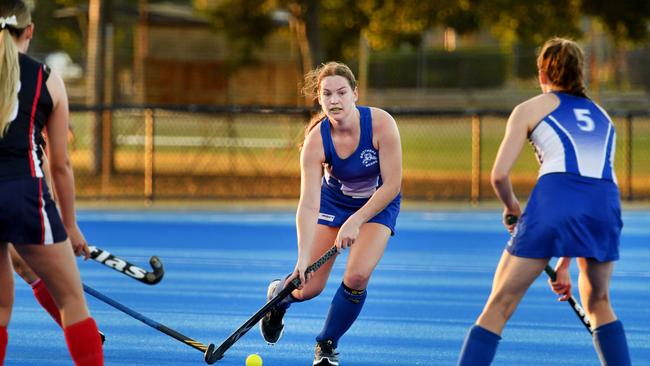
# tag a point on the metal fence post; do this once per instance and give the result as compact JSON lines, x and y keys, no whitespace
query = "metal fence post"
{"x":476,"y":159}
{"x":148,"y":155}
{"x":628,"y":157}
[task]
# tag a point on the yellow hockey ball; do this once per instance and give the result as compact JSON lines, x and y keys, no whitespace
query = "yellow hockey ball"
{"x":254,"y":360}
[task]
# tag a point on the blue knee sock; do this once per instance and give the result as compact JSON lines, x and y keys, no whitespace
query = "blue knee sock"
{"x":344,"y":310}
{"x":479,"y":347}
{"x":611,"y":345}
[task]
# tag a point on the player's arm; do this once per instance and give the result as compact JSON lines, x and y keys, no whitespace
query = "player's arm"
{"x":511,"y":146}
{"x":59,"y":162}
{"x":390,"y":164}
{"x":312,"y":158}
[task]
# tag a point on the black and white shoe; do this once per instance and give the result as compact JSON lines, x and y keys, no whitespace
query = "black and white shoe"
{"x":102,"y":336}
{"x":325,"y":355}
{"x":272,"y":325}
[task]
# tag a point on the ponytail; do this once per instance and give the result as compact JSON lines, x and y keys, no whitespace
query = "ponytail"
{"x":563,"y":62}
{"x":9,"y":79}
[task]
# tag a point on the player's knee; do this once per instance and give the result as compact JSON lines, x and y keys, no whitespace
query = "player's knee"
{"x":309,"y":292}
{"x":23,"y":270}
{"x":356,"y":280}
{"x":597,"y":300}
{"x":69,"y":300}
{"x":504,"y":304}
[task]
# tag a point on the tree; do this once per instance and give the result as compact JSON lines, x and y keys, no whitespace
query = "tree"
{"x":624,"y":19}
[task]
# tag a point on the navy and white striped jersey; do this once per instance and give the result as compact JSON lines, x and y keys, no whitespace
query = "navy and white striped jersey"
{"x":578,"y":137}
{"x":20,"y":148}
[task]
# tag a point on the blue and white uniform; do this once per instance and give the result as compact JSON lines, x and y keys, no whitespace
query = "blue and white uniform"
{"x":349,"y":183}
{"x":574,"y":209}
{"x":27,"y":215}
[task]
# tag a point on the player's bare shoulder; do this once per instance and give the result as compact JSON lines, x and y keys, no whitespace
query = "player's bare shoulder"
{"x":384,"y":127}
{"x":380,"y":116}
{"x":382,"y":121}
{"x":535,"y":109}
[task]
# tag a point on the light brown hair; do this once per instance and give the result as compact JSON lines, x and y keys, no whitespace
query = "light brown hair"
{"x":311,"y":86}
{"x":562,"y":60}
{"x":9,"y":67}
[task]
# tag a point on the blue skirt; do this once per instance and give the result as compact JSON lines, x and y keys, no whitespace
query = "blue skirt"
{"x":568,"y":215}
{"x":335,"y":208}
{"x":27,"y":213}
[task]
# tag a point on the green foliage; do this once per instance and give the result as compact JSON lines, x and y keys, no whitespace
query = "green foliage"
{"x":52,"y":33}
{"x":624,"y":19}
{"x":246,"y":23}
{"x":530,"y":21}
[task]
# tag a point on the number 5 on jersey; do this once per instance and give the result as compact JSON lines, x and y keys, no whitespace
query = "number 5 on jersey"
{"x":585,"y":122}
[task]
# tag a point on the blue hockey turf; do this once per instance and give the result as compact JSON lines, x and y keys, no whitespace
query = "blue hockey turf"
{"x":426,"y":292}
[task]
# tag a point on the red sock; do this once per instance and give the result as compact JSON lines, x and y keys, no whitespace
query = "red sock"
{"x":84,"y":343}
{"x":44,"y":298}
{"x":3,"y":344}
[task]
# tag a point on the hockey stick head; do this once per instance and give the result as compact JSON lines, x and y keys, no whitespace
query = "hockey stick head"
{"x":211,"y":356}
{"x":125,"y":267}
{"x":152,"y":278}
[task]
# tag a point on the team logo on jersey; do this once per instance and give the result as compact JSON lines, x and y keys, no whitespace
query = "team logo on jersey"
{"x":369,"y":157}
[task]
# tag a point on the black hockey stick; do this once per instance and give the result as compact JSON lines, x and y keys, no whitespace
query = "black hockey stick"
{"x":123,"y":266}
{"x":212,"y":355}
{"x":152,"y":323}
{"x":575,"y":305}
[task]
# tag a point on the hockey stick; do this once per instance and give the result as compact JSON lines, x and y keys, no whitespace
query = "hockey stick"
{"x":123,"y":266}
{"x":212,"y":355}
{"x":152,"y":323}
{"x":575,"y":305}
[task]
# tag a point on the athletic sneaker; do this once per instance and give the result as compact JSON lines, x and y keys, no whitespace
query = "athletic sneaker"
{"x":102,"y":336}
{"x":272,"y":325}
{"x":325,"y":354}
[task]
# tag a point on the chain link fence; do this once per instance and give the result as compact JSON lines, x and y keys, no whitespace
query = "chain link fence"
{"x":157,"y":152}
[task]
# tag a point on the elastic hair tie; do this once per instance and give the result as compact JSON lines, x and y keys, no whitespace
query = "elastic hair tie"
{"x":4,"y":22}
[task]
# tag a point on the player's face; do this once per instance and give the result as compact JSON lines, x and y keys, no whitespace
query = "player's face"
{"x":336,"y":97}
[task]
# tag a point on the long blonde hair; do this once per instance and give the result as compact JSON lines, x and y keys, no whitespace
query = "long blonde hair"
{"x":563,"y":61}
{"x":15,"y":18}
{"x":311,"y":86}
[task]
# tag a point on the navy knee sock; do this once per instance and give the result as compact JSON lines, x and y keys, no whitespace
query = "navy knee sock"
{"x":611,"y":345}
{"x":479,"y":348}
{"x":344,"y":310}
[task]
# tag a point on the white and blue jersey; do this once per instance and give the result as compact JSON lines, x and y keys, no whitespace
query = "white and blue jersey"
{"x":578,"y":138}
{"x":574,"y":209}
{"x":349,"y":183}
